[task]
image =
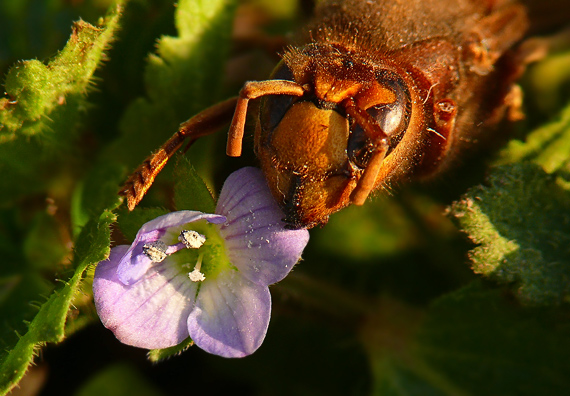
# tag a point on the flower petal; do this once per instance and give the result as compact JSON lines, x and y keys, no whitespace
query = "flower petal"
{"x":257,"y":242}
{"x":231,"y":315}
{"x":134,"y":264}
{"x":175,"y":219}
{"x":151,"y":313}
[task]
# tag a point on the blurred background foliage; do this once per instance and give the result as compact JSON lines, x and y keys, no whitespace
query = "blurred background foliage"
{"x":459,"y":286}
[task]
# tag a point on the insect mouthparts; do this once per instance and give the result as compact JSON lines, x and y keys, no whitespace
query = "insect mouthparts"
{"x":325,"y":105}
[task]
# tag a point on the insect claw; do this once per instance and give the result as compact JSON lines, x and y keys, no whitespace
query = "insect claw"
{"x":131,"y":202}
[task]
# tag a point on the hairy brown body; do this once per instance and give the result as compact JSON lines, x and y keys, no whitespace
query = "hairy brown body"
{"x":455,"y":58}
{"x":373,"y":92}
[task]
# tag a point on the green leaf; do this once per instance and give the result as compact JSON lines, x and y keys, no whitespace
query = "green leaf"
{"x":183,"y":78}
{"x":49,"y":324}
{"x":482,"y":342}
{"x":23,"y":288}
{"x":118,"y":380}
{"x":40,"y":28}
{"x":44,"y":246}
{"x":157,"y":355}
{"x":190,"y":191}
{"x":474,"y":341}
{"x":99,"y":190}
{"x":39,"y":118}
{"x":548,"y":80}
{"x":520,"y":219}
{"x":521,"y":222}
{"x":548,"y":146}
{"x":21,"y":294}
{"x":40,"y":93}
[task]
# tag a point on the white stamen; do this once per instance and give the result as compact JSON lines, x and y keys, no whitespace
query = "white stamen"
{"x":155,"y":251}
{"x":196,"y":275}
{"x":191,"y":239}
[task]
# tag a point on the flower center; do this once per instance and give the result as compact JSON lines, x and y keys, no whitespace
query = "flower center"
{"x":200,"y":248}
{"x":213,"y":251}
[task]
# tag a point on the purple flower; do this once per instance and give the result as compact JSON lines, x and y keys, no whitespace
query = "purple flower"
{"x":204,"y":276}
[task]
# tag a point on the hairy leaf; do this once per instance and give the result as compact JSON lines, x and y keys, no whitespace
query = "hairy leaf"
{"x":548,"y":146}
{"x":157,"y":355}
{"x":43,"y":107}
{"x":521,"y":222}
{"x":49,"y":324}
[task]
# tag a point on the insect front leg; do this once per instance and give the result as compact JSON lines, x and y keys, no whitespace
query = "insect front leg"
{"x":204,"y":123}
{"x":253,"y":90}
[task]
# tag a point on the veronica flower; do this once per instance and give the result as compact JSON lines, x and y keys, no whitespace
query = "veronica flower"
{"x":198,"y":275}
